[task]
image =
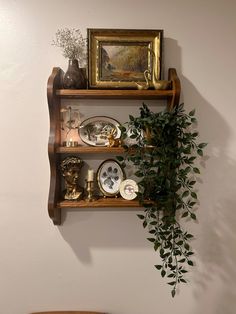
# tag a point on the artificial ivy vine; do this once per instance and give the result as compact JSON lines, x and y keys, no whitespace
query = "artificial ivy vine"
{"x":164,"y":156}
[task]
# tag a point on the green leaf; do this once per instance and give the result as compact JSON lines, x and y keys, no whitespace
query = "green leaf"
{"x":192,"y":113}
{"x":139,"y":174}
{"x":158,"y":267}
{"x":189,"y":236}
{"x":172,"y":283}
{"x":140,"y":216}
{"x":131,"y":117}
{"x":151,"y":239}
{"x":183,"y":271}
{"x":190,"y":253}
{"x":196,"y":170}
{"x":120,"y":158}
{"x":162,"y":251}
{"x":192,"y":158}
{"x":193,"y":216}
{"x":185,"y":214}
{"x":190,"y":263}
{"x":185,"y":194}
{"x":152,"y":231}
{"x":186,"y":246}
{"x":202,"y":145}
{"x":153,"y":223}
{"x":183,"y":280}
{"x":200,"y":152}
{"x":179,"y":206}
{"x":156,"y":245}
{"x":173,"y":293}
{"x":163,"y":273}
{"x":194,"y":195}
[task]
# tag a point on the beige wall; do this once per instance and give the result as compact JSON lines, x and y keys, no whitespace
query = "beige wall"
{"x":101,"y":260}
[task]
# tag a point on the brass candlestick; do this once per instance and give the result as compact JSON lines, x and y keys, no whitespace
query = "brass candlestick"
{"x":90,"y":191}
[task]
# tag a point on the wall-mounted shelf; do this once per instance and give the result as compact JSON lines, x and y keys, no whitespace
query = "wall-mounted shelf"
{"x":55,"y":94}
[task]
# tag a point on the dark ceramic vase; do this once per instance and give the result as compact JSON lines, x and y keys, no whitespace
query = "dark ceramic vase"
{"x":75,"y":77}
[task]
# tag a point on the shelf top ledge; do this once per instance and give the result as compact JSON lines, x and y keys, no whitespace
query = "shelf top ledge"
{"x":114,"y":93}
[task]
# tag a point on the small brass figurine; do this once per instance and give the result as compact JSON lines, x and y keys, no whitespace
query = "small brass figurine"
{"x":113,"y":142}
{"x":156,"y":84}
{"x":70,"y":168}
{"x":153,"y":83}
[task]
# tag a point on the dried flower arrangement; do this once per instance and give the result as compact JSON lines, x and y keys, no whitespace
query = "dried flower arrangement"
{"x":72,"y":44}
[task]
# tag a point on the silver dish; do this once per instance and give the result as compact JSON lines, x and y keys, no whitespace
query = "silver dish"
{"x":94,"y":131}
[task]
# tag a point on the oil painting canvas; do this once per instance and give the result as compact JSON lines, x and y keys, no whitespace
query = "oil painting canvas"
{"x":123,"y":62}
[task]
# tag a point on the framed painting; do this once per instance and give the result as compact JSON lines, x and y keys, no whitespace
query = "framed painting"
{"x":118,"y":58}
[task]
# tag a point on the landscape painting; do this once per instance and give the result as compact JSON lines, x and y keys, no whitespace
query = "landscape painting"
{"x":118,"y":58}
{"x":125,"y":62}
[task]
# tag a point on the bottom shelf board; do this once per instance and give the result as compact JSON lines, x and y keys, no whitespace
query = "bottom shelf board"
{"x":101,"y":202}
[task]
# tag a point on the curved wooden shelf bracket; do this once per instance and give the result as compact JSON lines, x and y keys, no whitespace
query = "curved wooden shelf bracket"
{"x":54,"y":82}
{"x":176,"y":87}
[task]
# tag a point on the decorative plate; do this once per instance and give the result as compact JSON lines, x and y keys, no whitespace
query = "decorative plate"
{"x":95,"y":130}
{"x":109,"y":177}
{"x":128,"y":189}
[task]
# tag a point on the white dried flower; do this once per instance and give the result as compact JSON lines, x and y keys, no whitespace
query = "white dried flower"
{"x":72,"y":44}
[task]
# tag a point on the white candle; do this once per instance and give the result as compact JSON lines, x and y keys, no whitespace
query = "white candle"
{"x":90,"y":174}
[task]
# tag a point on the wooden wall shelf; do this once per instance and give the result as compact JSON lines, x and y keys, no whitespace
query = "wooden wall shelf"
{"x":55,"y":94}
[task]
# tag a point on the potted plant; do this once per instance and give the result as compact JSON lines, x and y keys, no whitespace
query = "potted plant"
{"x":166,"y":172}
{"x":73,"y":47}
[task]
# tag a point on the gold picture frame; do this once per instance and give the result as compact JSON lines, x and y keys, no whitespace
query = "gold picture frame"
{"x":118,"y":58}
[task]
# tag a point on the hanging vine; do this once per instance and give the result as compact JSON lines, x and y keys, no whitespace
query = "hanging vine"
{"x":165,"y":154}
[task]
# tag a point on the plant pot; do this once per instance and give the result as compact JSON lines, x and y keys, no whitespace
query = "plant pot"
{"x":75,"y":77}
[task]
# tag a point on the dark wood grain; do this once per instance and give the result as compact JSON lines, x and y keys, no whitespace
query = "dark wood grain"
{"x":89,"y":150}
{"x":176,"y":88}
{"x":114,"y":94}
{"x":101,"y":202}
{"x":54,"y":82}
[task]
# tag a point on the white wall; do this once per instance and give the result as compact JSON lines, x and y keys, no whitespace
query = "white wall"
{"x":101,"y":260}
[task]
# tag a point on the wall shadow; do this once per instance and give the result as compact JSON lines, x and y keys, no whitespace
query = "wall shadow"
{"x":214,"y":276}
{"x":87,"y":229}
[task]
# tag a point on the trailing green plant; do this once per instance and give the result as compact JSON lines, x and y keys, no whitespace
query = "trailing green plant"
{"x":164,"y":156}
